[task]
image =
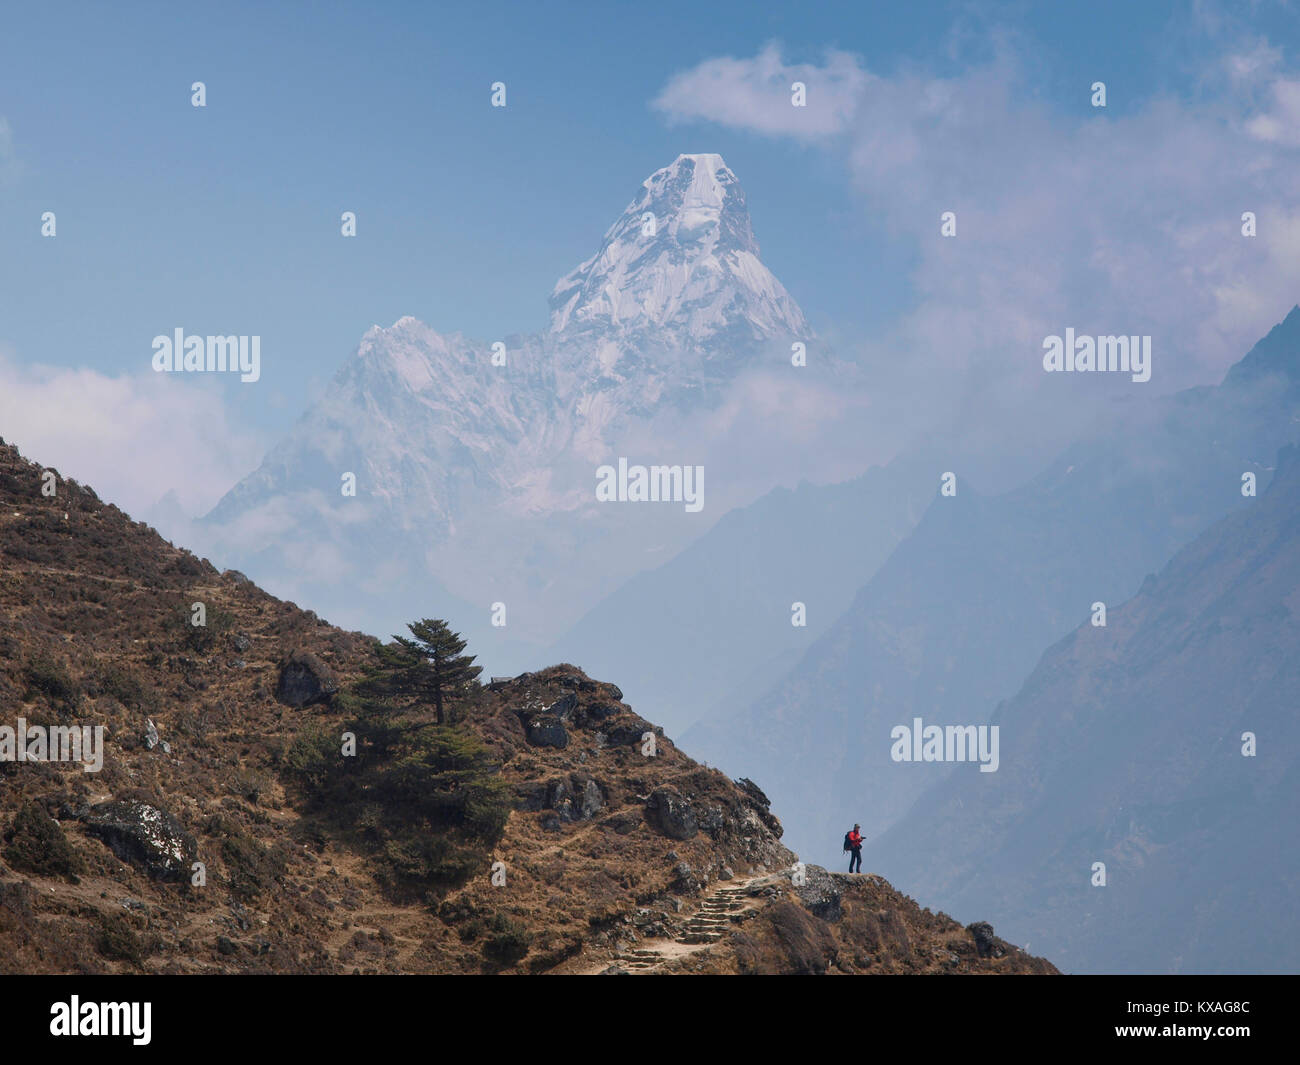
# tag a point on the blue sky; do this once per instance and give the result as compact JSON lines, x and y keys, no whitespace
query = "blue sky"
{"x":225,"y":219}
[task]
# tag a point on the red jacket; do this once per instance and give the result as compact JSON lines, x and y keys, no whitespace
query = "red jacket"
{"x":855,"y":839}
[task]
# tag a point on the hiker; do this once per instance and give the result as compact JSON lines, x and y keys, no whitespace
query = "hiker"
{"x":853,"y":842}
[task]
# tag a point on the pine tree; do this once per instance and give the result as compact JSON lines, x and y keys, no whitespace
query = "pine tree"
{"x":437,"y":801}
{"x":424,"y":669}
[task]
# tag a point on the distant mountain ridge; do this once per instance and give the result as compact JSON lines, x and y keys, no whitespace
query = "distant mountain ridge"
{"x":958,"y":615}
{"x":1163,"y":745}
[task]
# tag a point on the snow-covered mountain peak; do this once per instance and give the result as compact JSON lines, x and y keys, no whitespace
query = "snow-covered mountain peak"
{"x":681,"y":260}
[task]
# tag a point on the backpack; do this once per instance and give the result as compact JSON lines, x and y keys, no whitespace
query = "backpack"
{"x":847,"y":845}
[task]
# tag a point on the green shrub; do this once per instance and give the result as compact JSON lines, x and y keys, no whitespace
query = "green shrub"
{"x":201,"y":639}
{"x":46,"y":677}
{"x":412,"y":861}
{"x":126,"y":688}
{"x":508,"y":940}
{"x":312,"y":761}
{"x":252,"y":868}
{"x":117,"y":940}
{"x":37,"y":844}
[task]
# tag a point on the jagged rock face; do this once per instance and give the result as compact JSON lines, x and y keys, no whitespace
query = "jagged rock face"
{"x":671,"y":814}
{"x":145,"y":836}
{"x":577,"y":798}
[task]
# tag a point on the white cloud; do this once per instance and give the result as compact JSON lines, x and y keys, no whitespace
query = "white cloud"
{"x":755,"y":94}
{"x":1126,"y":222}
{"x":131,"y":438}
{"x":1281,"y":123}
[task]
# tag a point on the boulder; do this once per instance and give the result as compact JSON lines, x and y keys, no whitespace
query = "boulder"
{"x":820,"y":894}
{"x":712,"y":820}
{"x":761,"y":805}
{"x":145,"y":836}
{"x":304,"y":680}
{"x":546,"y":730}
{"x":151,"y":739}
{"x":671,"y":814}
{"x":577,"y":799}
{"x":986,"y":943}
{"x":684,"y":881}
{"x":563,"y":706}
{"x":628,"y":735}
{"x":598,"y":712}
{"x":559,"y":797}
{"x":624,"y":823}
{"x":591,"y":800}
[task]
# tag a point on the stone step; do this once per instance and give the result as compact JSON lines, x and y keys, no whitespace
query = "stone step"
{"x":701,"y":937}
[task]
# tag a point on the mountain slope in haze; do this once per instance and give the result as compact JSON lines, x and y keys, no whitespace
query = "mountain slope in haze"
{"x":1126,"y":746}
{"x":475,"y":465}
{"x":960,"y":612}
{"x":721,"y":611}
{"x":604,"y":847}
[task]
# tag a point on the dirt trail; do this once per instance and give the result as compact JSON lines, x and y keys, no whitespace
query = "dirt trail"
{"x":714,"y":917}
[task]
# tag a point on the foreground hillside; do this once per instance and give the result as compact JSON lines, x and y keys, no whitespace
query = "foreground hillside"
{"x":614,"y":853}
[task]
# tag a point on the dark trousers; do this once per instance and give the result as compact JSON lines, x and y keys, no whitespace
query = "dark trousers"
{"x":855,"y":859}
